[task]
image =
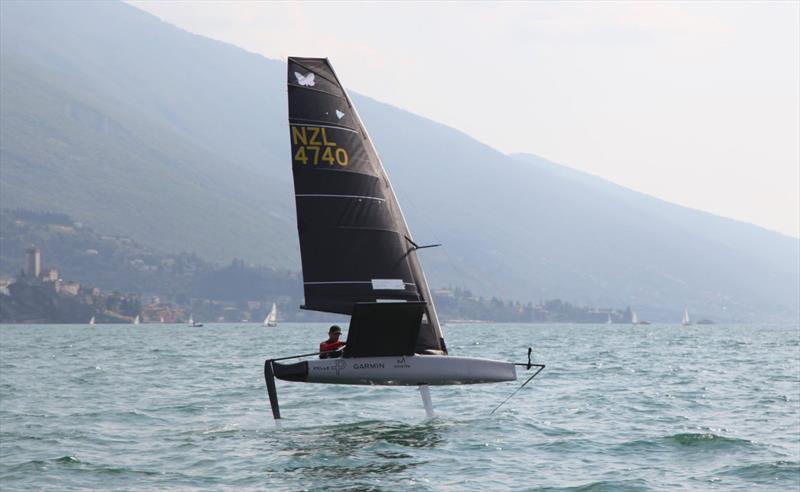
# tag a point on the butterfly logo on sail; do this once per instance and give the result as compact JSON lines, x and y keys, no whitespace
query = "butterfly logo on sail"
{"x":339,"y":114}
{"x":305,"y":80}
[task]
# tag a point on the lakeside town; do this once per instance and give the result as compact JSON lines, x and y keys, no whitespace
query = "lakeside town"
{"x":39,"y":294}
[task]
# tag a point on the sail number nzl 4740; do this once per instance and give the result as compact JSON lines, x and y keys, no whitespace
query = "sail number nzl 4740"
{"x":314,"y":147}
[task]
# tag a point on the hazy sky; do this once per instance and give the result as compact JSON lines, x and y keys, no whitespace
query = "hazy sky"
{"x":695,"y":103}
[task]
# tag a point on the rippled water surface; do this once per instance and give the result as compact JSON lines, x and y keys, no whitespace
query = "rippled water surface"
{"x":617,"y":408}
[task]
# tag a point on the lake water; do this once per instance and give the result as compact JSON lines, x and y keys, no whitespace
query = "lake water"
{"x":618,"y":408}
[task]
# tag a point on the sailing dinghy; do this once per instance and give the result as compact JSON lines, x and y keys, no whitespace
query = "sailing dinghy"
{"x":685,"y":321}
{"x":358,"y":257}
{"x":272,"y":317}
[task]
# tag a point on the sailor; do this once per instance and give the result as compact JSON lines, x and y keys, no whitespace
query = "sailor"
{"x":332,"y":343}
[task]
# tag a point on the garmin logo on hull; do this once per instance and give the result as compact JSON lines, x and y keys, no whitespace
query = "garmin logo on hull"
{"x":369,"y":365}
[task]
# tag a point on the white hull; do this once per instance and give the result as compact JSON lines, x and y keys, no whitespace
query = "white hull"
{"x":398,"y":370}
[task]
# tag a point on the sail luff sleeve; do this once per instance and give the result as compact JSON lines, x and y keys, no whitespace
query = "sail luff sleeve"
{"x":352,"y":232}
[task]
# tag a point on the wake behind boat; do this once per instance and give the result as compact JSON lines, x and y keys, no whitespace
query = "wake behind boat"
{"x":358,"y":257}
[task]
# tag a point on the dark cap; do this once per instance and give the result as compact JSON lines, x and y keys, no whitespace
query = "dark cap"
{"x":334,"y":329}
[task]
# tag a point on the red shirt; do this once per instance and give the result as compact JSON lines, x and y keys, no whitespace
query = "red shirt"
{"x":326,"y":346}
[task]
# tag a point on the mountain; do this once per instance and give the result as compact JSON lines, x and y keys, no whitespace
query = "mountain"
{"x":138,"y":128}
{"x":135,"y":127}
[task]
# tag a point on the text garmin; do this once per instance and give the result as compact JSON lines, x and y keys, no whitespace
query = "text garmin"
{"x":368,"y":365}
{"x":314,"y":147}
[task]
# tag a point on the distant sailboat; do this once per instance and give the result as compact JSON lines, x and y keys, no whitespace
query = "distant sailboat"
{"x":91,"y":320}
{"x":358,"y":256}
{"x":162,"y":319}
{"x":272,"y":317}
{"x":136,"y":320}
{"x":608,"y":321}
{"x":634,"y":318}
{"x":192,"y":322}
{"x":685,"y":318}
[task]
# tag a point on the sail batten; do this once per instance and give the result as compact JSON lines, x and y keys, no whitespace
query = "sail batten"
{"x":371,"y":282}
{"x":322,"y":124}
{"x":351,"y":228}
{"x":317,"y":90}
{"x":322,"y":195}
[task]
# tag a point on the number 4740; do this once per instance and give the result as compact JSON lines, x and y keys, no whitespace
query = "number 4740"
{"x":317,"y":154}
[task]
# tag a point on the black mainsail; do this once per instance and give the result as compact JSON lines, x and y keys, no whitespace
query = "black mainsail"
{"x":354,"y":242}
